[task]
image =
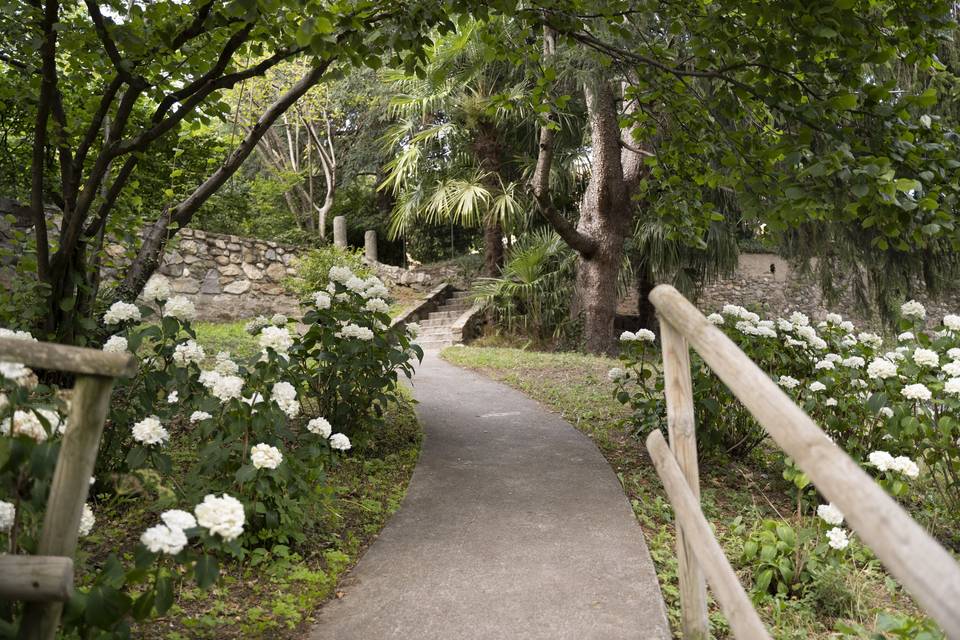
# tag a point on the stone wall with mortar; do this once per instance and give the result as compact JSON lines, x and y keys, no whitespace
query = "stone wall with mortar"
{"x":229,"y":277}
{"x":770,"y":285}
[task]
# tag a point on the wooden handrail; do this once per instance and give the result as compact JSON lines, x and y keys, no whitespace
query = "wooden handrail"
{"x":908,"y":552}
{"x":60,"y":357}
{"x":36,"y":578}
{"x":740,"y":613}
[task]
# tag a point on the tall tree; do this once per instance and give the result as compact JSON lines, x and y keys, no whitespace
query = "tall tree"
{"x":157,"y":67}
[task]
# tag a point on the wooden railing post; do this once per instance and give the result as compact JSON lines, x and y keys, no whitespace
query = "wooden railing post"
{"x":68,"y":492}
{"x":678,"y":389}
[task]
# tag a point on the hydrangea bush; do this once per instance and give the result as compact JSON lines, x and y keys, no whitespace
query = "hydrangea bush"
{"x":268,"y":427}
{"x":893,"y":406}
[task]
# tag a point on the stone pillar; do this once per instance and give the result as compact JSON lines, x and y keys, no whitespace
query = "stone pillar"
{"x":370,"y":245}
{"x":340,"y":232}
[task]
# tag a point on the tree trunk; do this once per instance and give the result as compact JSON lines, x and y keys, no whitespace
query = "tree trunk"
{"x":492,"y":249}
{"x":596,"y":295}
{"x":645,"y":308}
{"x":489,"y":153}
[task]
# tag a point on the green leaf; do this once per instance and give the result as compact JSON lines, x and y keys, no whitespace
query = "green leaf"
{"x":106,"y":606}
{"x":206,"y":571}
{"x":164,"y":589}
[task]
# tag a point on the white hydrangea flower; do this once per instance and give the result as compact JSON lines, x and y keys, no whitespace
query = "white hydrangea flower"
{"x":285,"y":395}
{"x":87,"y":520}
{"x":881,"y":368}
{"x":733,"y":310}
{"x":824,"y":365}
{"x":715,"y":318}
{"x":834,"y":318}
{"x":340,"y":274}
{"x":254,"y":326}
{"x":116,"y":344}
{"x":356,"y":331}
{"x":121,"y":312}
{"x":894,"y":356}
{"x":954,"y":353}
{"x":181,"y":308}
{"x":263,"y":456}
{"x":916,"y":392}
{"x":788,"y":382}
{"x":926,"y":358}
{"x":838,"y":538}
{"x":830,"y":514}
{"x":413,"y":330}
{"x":8,"y":514}
{"x":173,"y":397}
{"x":187,"y":353}
{"x":221,"y":516}
{"x":951,"y":322}
{"x":952,"y":386}
{"x":178,"y":519}
{"x":886,"y":412}
{"x":320,"y":427}
{"x":209,"y":378}
{"x":377,"y":305}
{"x":830,"y":402}
{"x":870,"y":339}
{"x":226,"y":388}
{"x":645,"y":335}
{"x":321,"y":300}
{"x":164,"y":539}
{"x":913,"y":309}
{"x":616,"y":373}
{"x":854,"y":362}
{"x":628,"y":336}
{"x":339,"y":442}
{"x":276,"y":338}
{"x":25,"y":423}
{"x":817,"y":386}
{"x":199,"y":416}
{"x":881,"y":460}
{"x":331,"y":288}
{"x":149,"y":431}
{"x":906,"y":466}
{"x":279,"y":320}
{"x":157,"y":289}
{"x":16,"y":335}
{"x":847,"y":326}
{"x":355,"y":284}
{"x":790,"y":342}
{"x":17,"y":373}
{"x":848,"y":341}
{"x":784,"y":325}
{"x":224,"y":365}
{"x":952,"y":368}
{"x":799,"y":319}
{"x":906,"y":336}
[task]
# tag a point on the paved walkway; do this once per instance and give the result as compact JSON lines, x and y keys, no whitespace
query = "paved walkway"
{"x":514,"y":528}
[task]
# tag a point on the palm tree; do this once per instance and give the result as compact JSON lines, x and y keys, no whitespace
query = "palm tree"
{"x":459,"y":128}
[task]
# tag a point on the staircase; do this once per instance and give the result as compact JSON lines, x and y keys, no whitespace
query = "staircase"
{"x":436,"y":331}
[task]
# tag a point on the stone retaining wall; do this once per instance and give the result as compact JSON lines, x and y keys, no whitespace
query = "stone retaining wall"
{"x":768,"y":283}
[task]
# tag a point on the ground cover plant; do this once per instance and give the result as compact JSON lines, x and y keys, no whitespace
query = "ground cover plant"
{"x":844,"y":593}
{"x":228,"y":461}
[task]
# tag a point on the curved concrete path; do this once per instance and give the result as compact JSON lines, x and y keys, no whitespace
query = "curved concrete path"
{"x":514,"y":527}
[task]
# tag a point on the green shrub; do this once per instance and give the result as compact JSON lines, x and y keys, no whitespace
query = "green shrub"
{"x":313,"y":268}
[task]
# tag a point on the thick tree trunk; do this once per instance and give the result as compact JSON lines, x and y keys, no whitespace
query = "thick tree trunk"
{"x":489,"y":152}
{"x":492,"y":249}
{"x":645,"y":308}
{"x":596,"y":295}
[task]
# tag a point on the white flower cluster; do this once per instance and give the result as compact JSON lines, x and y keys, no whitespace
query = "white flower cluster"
{"x":276,"y":338}
{"x":169,"y":537}
{"x":916,"y":391}
{"x":816,"y":386}
{"x":16,"y":335}
{"x":926,"y":358}
{"x":616,"y":373}
{"x":254,"y":326}
{"x":321,"y":300}
{"x":881,"y":368}
{"x":116,"y":344}
{"x":149,"y":431}
{"x":157,"y":289}
{"x":340,"y":274}
{"x":883,"y":461}
{"x":221,"y":516}
{"x":320,"y":427}
{"x":830,"y":514}
{"x":715,"y":318}
{"x":26,"y":423}
{"x":121,"y":312}
{"x":187,"y":353}
{"x":952,"y":387}
{"x":223,"y":387}
{"x":87,"y":520}
{"x":377,"y":305}
{"x":642,"y":335}
{"x":279,"y":320}
{"x":285,"y":395}
{"x":224,"y":365}
{"x":17,"y":373}
{"x":788,"y":382}
{"x":854,"y":362}
{"x":355,"y":331}
{"x":263,"y":456}
{"x":8,"y":513}
{"x":199,"y":416}
{"x":413,"y":330}
{"x":838,"y":538}
{"x":181,"y":308}
{"x":913,"y":309}
{"x":340,"y":442}
{"x":951,"y":322}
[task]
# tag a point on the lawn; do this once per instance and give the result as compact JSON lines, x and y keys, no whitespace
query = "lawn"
{"x":576,"y":386}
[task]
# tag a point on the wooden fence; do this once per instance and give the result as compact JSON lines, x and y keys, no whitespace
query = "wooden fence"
{"x":45,"y":581}
{"x":908,"y":552}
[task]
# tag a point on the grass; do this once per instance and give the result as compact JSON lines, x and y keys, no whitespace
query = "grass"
{"x":276,"y":590}
{"x":576,"y":386}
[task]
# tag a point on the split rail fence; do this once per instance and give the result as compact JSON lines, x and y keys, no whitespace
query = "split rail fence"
{"x":908,"y":552}
{"x":45,"y":581}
